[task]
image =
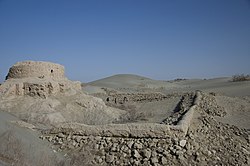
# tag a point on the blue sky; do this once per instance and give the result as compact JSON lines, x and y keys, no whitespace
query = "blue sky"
{"x":160,"y":39}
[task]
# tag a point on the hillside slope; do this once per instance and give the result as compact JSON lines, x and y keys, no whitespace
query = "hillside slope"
{"x":129,"y":82}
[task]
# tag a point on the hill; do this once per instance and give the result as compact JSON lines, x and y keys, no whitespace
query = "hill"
{"x":129,"y":82}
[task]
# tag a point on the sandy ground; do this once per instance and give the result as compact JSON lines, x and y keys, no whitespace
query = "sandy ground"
{"x":158,"y":111}
{"x":219,"y":85}
{"x":238,"y":111}
{"x":19,"y":141}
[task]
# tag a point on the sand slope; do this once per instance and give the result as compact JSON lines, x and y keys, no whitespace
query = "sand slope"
{"x":222,"y":85}
{"x":20,"y":142}
{"x":133,"y":83}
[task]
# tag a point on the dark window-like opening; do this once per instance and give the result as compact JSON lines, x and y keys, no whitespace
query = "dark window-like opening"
{"x":125,"y":99}
{"x":51,"y":71}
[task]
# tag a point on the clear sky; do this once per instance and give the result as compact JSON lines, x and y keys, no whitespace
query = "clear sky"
{"x":160,"y":39}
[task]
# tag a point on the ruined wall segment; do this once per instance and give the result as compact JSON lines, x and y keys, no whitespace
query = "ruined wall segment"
{"x":36,"y":69}
{"x":131,"y":130}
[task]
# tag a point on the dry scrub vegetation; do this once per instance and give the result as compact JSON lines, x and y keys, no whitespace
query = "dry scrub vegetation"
{"x":240,"y":77}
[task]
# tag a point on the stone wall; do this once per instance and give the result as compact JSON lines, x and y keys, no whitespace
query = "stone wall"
{"x":122,"y":98}
{"x":36,"y":69}
{"x":207,"y":142}
{"x":130,"y":130}
{"x":126,"y":144}
{"x":140,"y":97}
{"x":122,"y":151}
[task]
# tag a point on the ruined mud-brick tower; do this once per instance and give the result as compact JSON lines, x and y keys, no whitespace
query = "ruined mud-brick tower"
{"x":33,"y":78}
{"x":36,"y":69}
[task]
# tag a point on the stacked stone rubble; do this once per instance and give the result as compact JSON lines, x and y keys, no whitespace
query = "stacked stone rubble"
{"x":209,"y":105}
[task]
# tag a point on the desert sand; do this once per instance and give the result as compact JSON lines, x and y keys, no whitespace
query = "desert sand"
{"x":123,"y":119}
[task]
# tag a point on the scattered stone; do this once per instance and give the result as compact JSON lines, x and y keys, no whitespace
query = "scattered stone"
{"x":99,"y":159}
{"x":146,"y":153}
{"x":138,"y":145}
{"x":154,"y":160}
{"x":130,"y":144}
{"x":183,"y":143}
{"x":136,"y":162}
{"x":109,"y":158}
{"x":164,"y":161}
{"x":61,"y":135}
{"x":136,"y":154}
